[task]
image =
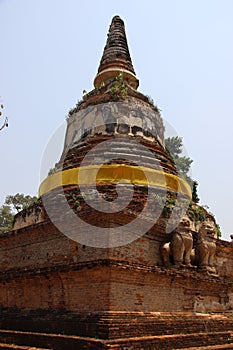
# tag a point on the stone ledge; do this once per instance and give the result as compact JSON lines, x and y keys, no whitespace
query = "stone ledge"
{"x":217,"y":340}
{"x":184,"y":272}
{"x":191,"y":272}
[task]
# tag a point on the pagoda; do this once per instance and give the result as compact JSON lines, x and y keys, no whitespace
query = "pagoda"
{"x":115,"y":254}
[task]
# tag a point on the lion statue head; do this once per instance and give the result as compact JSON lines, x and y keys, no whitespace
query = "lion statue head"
{"x":184,"y":224}
{"x":207,"y":231}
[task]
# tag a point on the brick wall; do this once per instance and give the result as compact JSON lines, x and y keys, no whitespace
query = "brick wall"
{"x":42,"y":268}
{"x":104,"y":285}
{"x":37,"y":246}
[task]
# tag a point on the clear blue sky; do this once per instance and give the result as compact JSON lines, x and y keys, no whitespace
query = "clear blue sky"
{"x":182,"y":51}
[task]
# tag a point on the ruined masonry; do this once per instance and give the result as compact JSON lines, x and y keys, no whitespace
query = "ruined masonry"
{"x":115,"y":255}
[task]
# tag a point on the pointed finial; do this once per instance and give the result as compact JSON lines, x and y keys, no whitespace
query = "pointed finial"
{"x":116,"y":57}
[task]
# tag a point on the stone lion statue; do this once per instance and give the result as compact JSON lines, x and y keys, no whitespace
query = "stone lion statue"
{"x":206,"y":246}
{"x":165,"y":251}
{"x":180,"y":248}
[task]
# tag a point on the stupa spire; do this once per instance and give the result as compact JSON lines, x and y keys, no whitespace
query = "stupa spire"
{"x":116,"y":57}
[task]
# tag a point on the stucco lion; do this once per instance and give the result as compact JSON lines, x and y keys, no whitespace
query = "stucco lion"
{"x":180,"y":247}
{"x":206,"y":246}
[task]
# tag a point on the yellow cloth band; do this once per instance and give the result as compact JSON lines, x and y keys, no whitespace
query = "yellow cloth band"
{"x":114,"y":173}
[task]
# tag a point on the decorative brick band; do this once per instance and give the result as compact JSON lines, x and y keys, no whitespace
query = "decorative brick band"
{"x":114,"y":173}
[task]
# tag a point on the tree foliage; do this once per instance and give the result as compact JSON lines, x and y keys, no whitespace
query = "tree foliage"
{"x":19,"y":201}
{"x":13,"y":204}
{"x":6,"y":218}
{"x":5,"y":124}
{"x":119,"y":90}
{"x":195,"y":197}
{"x":174,"y":146}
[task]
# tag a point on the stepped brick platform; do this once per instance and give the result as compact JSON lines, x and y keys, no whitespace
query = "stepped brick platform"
{"x":19,"y":347}
{"x":112,"y":325}
{"x":119,"y":330}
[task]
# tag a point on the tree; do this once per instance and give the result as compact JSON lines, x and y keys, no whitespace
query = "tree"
{"x":13,"y":204}
{"x":174,"y":147}
{"x":195,"y":197}
{"x":20,"y":201}
{"x":5,"y":124}
{"x":6,"y":218}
